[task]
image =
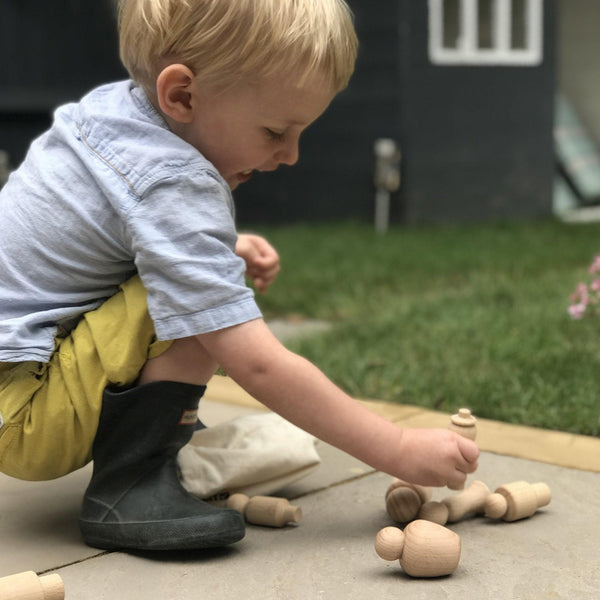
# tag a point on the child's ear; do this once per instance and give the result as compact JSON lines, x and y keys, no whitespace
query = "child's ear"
{"x":174,"y":92}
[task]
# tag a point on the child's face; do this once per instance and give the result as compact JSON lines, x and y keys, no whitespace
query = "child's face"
{"x":254,"y":127}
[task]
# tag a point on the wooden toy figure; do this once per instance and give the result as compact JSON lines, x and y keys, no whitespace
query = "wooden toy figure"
{"x":403,"y":500}
{"x":424,"y":549}
{"x":517,"y":500}
{"x":464,"y":423}
{"x":265,"y":510}
{"x":472,"y":500}
{"x":436,"y":512}
{"x":28,"y":586}
{"x":454,"y":508}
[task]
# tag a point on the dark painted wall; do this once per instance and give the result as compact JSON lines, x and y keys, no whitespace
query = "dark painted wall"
{"x":477,"y":140}
{"x":52,"y":52}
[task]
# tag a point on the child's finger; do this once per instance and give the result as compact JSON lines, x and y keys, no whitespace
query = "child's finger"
{"x":261,"y":285}
{"x":267,"y":257}
{"x":266,"y":263}
{"x":468,"y":449}
{"x":265,"y":253}
{"x":266,"y":275}
{"x":457,"y":481}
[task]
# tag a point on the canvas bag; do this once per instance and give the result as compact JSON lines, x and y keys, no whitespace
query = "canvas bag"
{"x":256,"y":454}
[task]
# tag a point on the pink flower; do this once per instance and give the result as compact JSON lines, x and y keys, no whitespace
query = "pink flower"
{"x":586,"y":297}
{"x":595,"y":266}
{"x":580,"y":294}
{"x":577,"y":311}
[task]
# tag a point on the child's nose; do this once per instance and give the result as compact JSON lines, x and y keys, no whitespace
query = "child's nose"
{"x":288,"y":154}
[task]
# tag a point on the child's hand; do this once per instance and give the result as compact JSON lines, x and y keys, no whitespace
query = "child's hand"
{"x":437,"y":457}
{"x":262,"y":260}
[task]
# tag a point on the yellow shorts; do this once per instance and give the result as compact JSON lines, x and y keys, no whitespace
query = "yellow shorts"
{"x":50,"y":411}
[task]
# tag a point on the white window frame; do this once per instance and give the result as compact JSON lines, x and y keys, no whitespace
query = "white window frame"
{"x":467,"y":51}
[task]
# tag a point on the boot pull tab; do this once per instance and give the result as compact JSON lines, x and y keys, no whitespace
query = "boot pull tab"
{"x":189,"y":416}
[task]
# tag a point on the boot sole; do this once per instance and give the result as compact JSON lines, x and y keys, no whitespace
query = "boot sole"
{"x":180,"y":534}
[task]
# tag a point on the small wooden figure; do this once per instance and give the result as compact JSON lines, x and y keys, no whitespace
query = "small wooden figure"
{"x":472,"y":500}
{"x":403,"y":500}
{"x":28,"y":586}
{"x":424,"y":549}
{"x":517,"y":500}
{"x":265,"y":510}
{"x":436,"y":512}
{"x":454,"y":508}
{"x":464,"y":423}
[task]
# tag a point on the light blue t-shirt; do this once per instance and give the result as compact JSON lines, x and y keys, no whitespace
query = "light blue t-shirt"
{"x":109,"y":191}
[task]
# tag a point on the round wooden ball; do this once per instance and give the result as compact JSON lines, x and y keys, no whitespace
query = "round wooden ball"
{"x":389,"y":542}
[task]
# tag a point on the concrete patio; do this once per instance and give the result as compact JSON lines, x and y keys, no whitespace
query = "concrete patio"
{"x":330,"y":554}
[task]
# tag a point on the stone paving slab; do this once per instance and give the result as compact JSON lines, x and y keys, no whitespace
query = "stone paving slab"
{"x":329,"y":555}
{"x":38,"y":523}
{"x":38,"y":520}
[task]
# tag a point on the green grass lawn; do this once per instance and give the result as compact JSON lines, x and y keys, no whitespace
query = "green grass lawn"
{"x":450,"y":316}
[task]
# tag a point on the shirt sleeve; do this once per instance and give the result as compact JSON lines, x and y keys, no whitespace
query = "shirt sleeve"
{"x":183,"y":236}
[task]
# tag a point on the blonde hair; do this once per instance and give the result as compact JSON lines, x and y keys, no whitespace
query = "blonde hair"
{"x":225,"y":41}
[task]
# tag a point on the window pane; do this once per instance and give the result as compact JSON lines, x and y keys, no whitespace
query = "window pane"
{"x":485,"y":24}
{"x":519,"y":24}
{"x":451,"y":27}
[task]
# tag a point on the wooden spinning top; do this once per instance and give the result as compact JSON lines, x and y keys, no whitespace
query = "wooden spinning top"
{"x":517,"y":500}
{"x":464,"y":423}
{"x":28,"y":586}
{"x":424,"y":549}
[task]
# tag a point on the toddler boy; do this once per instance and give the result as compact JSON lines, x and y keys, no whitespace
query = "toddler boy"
{"x":124,"y":277}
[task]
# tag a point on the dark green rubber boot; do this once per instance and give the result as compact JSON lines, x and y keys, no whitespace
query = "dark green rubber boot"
{"x":135,"y":499}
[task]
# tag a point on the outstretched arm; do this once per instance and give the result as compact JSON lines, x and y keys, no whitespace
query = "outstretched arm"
{"x":298,"y":391}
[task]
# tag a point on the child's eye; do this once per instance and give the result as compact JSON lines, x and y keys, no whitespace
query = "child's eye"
{"x":274,"y":135}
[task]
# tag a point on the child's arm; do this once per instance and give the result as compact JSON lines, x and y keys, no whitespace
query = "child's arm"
{"x":294,"y":388}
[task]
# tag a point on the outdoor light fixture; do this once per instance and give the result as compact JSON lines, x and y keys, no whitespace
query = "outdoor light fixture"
{"x":387,"y":179}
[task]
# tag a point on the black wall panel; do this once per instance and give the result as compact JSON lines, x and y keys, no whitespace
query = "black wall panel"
{"x":476,"y":141}
{"x":53,"y":51}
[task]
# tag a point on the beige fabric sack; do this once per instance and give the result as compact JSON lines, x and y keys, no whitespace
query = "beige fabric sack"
{"x":255,"y":454}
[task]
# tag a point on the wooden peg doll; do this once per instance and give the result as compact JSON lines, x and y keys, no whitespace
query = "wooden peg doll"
{"x":265,"y":510}
{"x":424,"y":549}
{"x":517,"y":500}
{"x":471,"y":500}
{"x":436,"y":512}
{"x":464,"y":423}
{"x":454,"y":508}
{"x":28,"y":586}
{"x":403,"y":500}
